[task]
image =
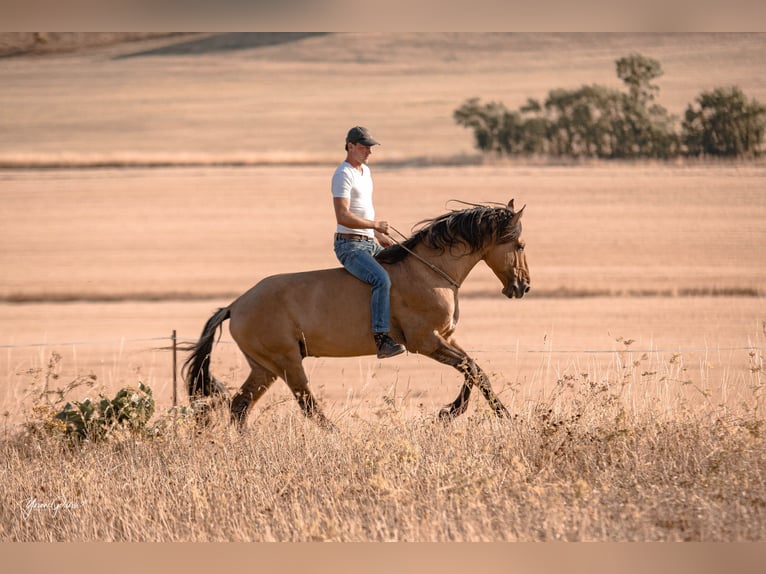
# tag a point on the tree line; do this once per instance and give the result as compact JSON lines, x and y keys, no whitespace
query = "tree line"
{"x":595,"y":121}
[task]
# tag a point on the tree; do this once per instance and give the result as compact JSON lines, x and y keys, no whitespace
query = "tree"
{"x":724,"y":124}
{"x":597,"y":121}
{"x":586,"y":122}
{"x":487,"y":122}
{"x":637,"y":72}
{"x":559,"y":105}
{"x":497,"y":129}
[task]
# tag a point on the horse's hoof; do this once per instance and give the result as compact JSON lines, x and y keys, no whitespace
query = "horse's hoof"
{"x":325,"y":424}
{"x":329,"y":427}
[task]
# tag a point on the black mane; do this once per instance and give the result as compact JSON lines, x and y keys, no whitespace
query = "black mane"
{"x":471,"y":229}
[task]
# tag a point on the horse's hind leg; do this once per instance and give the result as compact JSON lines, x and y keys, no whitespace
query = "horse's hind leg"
{"x":296,"y":379}
{"x":258,"y":382}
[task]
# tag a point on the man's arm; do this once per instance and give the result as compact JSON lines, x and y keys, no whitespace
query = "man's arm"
{"x":345,"y":218}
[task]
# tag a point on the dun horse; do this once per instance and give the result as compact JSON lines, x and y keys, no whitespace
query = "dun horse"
{"x":326,"y":313}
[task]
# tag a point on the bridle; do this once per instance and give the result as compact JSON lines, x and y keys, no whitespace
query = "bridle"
{"x":419,"y":258}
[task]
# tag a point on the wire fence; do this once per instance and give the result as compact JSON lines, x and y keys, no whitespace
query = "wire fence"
{"x":177,"y":339}
{"x":76,"y":343}
{"x":174,"y":341}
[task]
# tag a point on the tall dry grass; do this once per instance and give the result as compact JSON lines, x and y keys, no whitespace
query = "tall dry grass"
{"x":645,"y":449}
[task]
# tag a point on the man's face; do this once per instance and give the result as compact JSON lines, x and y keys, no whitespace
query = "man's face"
{"x":359,"y":152}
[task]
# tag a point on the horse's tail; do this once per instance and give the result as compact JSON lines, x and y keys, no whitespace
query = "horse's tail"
{"x":196,"y":369}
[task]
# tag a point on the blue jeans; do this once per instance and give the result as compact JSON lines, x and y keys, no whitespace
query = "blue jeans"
{"x":358,"y":258}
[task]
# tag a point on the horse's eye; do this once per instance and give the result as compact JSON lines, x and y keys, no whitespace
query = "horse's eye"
{"x":521,"y":247}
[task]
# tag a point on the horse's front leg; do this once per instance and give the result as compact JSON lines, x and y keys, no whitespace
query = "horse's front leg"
{"x":451,"y":354}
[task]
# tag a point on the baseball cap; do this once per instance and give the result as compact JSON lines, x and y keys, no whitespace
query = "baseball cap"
{"x":360,"y":135}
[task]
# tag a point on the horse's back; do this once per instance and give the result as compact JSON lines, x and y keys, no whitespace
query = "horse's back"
{"x":326,"y":311}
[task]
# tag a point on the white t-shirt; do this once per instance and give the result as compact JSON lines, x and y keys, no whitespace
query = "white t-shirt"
{"x":348,"y":182}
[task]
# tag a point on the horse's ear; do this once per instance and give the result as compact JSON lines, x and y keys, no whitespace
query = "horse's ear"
{"x":510,"y":205}
{"x":517,"y":216}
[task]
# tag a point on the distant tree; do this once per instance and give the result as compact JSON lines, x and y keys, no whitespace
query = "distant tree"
{"x":487,"y":121}
{"x":500,"y":130}
{"x":560,"y":105}
{"x":724,"y":123}
{"x":646,"y":129}
{"x":637,"y":72}
{"x":597,"y":121}
{"x":535,"y":128}
{"x":511,"y":134}
{"x":532,"y":106}
{"x":588,"y":122}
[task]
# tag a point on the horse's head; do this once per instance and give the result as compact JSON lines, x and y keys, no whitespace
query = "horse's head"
{"x":506,"y":256}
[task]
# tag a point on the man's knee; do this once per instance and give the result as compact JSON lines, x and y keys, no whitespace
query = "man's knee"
{"x":381,"y":281}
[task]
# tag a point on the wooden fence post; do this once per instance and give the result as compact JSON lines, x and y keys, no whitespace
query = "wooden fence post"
{"x":175,"y":369}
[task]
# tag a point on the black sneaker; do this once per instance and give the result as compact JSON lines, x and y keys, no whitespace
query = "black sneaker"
{"x":387,"y":347}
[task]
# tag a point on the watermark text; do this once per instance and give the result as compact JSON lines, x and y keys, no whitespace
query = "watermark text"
{"x":54,"y":506}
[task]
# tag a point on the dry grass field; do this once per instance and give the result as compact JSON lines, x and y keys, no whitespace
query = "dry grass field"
{"x":146,"y":184}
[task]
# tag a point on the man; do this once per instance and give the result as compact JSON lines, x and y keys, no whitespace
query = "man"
{"x":357,"y":230}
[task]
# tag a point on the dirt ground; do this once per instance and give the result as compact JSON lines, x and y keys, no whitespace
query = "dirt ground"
{"x":101,"y":264}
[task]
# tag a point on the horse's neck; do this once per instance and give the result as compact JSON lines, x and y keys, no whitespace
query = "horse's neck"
{"x":456,"y":267}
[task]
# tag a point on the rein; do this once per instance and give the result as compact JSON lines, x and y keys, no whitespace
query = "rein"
{"x":419,"y":258}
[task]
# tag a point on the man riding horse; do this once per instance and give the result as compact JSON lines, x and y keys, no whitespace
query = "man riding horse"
{"x":329,"y":312}
{"x":355,"y":241}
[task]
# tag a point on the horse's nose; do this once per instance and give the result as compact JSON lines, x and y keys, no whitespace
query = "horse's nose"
{"x":526,"y":289}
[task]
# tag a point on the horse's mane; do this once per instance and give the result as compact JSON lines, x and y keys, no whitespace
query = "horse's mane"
{"x":470,"y":228}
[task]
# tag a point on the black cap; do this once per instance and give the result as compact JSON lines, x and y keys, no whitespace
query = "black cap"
{"x":360,"y":135}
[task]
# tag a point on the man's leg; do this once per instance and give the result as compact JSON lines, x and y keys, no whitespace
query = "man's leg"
{"x":357,"y":258}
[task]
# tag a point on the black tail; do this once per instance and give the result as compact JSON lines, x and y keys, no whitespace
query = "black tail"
{"x":196,"y":369}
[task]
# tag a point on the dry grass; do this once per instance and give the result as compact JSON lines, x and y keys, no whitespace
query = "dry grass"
{"x":636,"y":452}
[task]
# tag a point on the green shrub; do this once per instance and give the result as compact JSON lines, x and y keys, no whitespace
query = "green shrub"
{"x":131,"y":408}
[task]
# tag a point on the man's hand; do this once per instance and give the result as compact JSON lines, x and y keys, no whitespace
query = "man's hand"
{"x":383,"y":239}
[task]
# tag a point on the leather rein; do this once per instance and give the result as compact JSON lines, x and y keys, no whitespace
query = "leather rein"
{"x":419,"y":258}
